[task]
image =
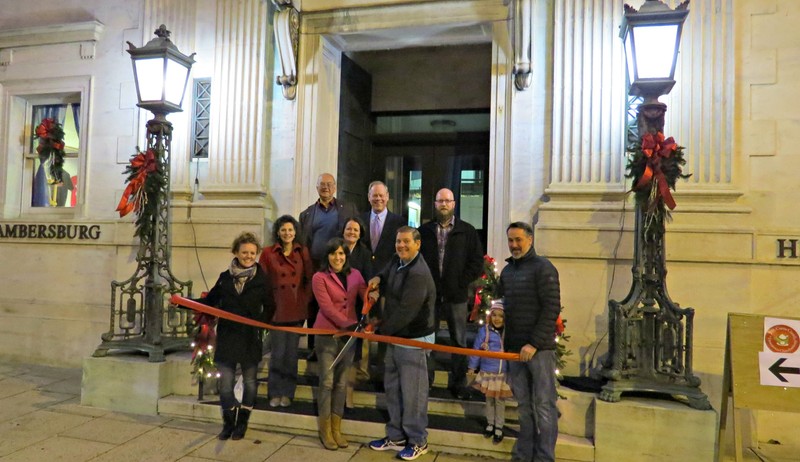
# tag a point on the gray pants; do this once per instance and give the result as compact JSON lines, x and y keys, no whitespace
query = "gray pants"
{"x":495,"y":412}
{"x":406,"y":382}
{"x":282,"y":379}
{"x":456,"y":316}
{"x":332,"y":382}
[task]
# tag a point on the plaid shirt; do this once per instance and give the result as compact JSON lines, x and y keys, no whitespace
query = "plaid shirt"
{"x":442,"y":233}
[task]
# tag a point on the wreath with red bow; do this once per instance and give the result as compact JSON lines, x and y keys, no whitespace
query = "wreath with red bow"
{"x":655,"y":165}
{"x":51,"y":147}
{"x":145,"y":182}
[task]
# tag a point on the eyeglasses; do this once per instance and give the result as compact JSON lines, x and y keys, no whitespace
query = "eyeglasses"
{"x":444,"y":201}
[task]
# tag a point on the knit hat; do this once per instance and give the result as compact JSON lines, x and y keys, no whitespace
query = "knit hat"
{"x":497,"y":305}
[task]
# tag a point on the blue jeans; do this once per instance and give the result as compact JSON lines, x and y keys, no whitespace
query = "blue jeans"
{"x":282,"y":379}
{"x":534,"y":386}
{"x":406,"y":382}
{"x":332,"y":382}
{"x":227,"y":372}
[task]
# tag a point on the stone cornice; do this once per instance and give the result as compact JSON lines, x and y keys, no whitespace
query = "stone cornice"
{"x":86,"y":34}
{"x":88,"y":31}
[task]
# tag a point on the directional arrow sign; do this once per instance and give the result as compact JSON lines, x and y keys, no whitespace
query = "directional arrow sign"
{"x":780,"y":370}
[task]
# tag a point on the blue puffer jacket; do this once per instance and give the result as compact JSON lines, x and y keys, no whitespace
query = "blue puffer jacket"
{"x":532,"y":295}
{"x":491,"y":365}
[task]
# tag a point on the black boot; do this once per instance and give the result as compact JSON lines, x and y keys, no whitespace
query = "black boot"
{"x":241,"y":424}
{"x":228,"y":423}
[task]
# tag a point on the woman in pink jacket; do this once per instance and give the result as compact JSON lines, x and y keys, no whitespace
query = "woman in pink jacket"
{"x":336,"y":287}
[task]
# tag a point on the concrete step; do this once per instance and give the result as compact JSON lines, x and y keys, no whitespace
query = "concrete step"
{"x":299,"y":419}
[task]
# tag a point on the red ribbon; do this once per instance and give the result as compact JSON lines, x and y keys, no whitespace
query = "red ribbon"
{"x":559,"y":325}
{"x":655,"y":148}
{"x":197,"y":306}
{"x":144,"y":163}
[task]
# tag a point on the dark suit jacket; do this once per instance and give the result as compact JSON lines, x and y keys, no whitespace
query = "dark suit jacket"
{"x":385,"y":250}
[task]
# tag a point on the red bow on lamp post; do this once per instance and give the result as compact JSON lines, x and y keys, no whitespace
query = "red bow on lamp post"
{"x":134,"y":197}
{"x":655,"y":149}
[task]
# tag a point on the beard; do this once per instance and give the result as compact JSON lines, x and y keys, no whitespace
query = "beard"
{"x":444,"y":216}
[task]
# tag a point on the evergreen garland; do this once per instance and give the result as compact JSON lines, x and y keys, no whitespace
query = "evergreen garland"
{"x":146,"y":181}
{"x":655,"y":164}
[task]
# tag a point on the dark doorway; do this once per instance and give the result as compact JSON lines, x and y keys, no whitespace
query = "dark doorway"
{"x":416,"y":166}
{"x":444,"y":143}
{"x":355,"y":132}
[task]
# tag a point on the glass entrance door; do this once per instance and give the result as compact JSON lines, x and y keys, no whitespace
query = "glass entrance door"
{"x":416,"y":169}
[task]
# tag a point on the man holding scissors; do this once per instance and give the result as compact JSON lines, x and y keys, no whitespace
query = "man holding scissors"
{"x":409,"y":294}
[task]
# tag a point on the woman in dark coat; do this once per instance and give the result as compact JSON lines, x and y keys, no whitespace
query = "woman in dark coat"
{"x":288,"y":267}
{"x":243,"y":290}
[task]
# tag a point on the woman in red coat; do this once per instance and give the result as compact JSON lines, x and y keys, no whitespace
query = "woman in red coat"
{"x":336,"y":288}
{"x":288,"y":267}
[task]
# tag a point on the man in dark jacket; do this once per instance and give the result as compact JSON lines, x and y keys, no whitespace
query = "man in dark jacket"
{"x":409,"y":295}
{"x":381,"y":225}
{"x":532,"y":295}
{"x":321,"y":221}
{"x":454,"y":254}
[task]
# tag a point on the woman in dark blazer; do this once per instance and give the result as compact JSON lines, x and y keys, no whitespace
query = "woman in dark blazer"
{"x":243,"y":290}
{"x":336,"y":288}
{"x":288,"y":267}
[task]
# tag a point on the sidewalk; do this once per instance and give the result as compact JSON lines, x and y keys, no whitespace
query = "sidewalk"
{"x":41,"y":419}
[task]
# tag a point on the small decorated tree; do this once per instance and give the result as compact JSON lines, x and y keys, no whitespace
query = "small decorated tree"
{"x":487,"y":290}
{"x":203,"y":367}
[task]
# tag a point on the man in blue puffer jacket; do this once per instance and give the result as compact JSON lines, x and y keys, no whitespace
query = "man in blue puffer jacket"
{"x":529,"y":285}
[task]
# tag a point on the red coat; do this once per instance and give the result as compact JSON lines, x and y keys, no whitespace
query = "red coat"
{"x":337,"y":308}
{"x":290,"y":278}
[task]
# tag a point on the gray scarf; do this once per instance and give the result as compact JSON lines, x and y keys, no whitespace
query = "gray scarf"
{"x":241,"y":275}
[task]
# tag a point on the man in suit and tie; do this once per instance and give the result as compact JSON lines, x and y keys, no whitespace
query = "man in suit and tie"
{"x":382,"y":226}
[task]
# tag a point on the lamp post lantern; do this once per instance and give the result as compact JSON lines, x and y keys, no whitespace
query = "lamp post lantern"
{"x":650,"y":336}
{"x":139,"y":320}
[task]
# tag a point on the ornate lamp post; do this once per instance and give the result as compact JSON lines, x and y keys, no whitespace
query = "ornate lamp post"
{"x":139,"y":320}
{"x":650,"y":336}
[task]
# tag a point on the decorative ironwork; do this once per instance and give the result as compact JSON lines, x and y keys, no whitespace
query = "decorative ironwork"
{"x":139,"y":320}
{"x":650,"y":336}
{"x":201,"y":118}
